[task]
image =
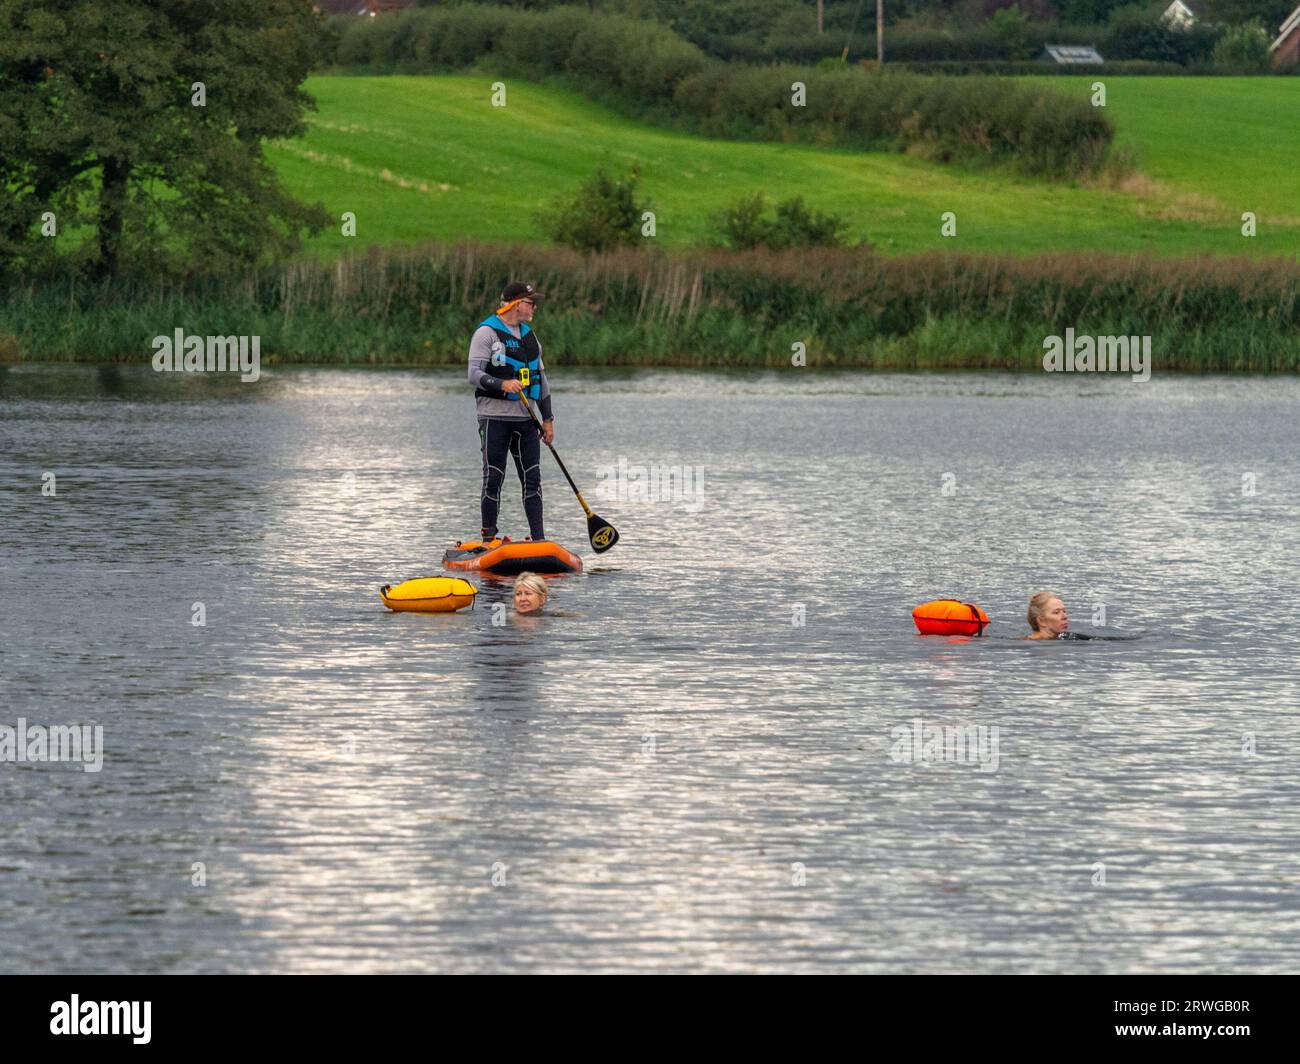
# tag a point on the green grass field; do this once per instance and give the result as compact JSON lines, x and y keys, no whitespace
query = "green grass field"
{"x":429,"y":157}
{"x":1230,"y":140}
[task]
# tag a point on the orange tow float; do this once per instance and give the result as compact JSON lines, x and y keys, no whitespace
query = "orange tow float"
{"x":949,"y":617}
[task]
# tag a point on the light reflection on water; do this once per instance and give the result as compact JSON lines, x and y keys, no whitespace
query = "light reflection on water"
{"x":651,"y":769}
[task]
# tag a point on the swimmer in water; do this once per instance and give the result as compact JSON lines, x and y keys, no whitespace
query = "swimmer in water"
{"x":530,"y":593}
{"x":1047,"y":617}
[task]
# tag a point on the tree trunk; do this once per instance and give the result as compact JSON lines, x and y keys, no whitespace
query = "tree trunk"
{"x":112,"y":210}
{"x":880,"y":31}
{"x":821,"y":11}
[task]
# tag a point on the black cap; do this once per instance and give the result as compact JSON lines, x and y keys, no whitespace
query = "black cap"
{"x":519,"y":290}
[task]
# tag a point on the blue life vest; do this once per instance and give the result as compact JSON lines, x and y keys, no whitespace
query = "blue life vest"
{"x":519,"y":359}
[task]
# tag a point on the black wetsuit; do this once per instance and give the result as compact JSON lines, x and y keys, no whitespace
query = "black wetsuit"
{"x":522,"y":440}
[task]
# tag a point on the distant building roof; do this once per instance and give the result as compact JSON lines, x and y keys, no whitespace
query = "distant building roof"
{"x":1073,"y":53}
{"x":1289,"y":27}
{"x":1182,"y":12}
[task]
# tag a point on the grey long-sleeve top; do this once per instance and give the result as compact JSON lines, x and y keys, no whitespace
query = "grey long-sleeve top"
{"x":480,"y":357}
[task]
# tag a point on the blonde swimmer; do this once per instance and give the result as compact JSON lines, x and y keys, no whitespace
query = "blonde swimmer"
{"x":531,"y":593}
{"x":1048,"y":619}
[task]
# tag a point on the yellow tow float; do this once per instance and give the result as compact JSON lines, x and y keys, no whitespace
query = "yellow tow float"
{"x":429,"y":594}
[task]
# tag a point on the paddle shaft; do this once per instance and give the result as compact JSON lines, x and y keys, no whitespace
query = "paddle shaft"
{"x":559,"y":461}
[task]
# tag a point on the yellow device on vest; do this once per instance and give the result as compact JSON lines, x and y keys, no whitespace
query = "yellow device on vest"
{"x":523,"y":376}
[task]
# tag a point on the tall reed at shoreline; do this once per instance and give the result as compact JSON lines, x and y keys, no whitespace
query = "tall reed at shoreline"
{"x":846,"y":306}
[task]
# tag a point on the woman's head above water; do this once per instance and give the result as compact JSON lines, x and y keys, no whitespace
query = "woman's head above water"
{"x":530,"y":593}
{"x":1047,"y":615}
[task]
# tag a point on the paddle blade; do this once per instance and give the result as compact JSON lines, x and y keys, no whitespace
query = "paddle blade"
{"x":603,"y":534}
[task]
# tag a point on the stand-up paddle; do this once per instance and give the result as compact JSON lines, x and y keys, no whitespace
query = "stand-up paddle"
{"x":603,"y":535}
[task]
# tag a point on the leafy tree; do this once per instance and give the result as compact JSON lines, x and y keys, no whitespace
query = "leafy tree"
{"x":602,"y":214}
{"x":1270,"y":13}
{"x":1010,"y":24}
{"x":1033,"y":10}
{"x":1243,"y":48}
{"x":1088,"y":12}
{"x":1137,"y":32}
{"x":99,"y":124}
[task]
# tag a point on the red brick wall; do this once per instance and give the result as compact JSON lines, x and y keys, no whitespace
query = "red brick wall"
{"x":1288,"y":52}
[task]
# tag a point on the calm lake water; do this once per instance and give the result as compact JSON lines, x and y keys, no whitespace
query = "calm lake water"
{"x":676,"y":774}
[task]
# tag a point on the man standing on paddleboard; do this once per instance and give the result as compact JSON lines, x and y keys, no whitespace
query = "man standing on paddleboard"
{"x":505,"y":361}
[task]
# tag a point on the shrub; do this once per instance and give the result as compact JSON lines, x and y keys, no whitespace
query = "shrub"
{"x":1134,"y":32}
{"x":602,"y":214}
{"x":637,"y":58}
{"x":359,"y":41}
{"x":918,"y":44}
{"x":466,"y":33}
{"x":542,"y":44}
{"x":745,"y":225}
{"x":1242,"y":49}
{"x":1088,"y":11}
{"x":1012,"y":28}
{"x":800,"y":226}
{"x":1038,"y":69}
{"x":742,"y":225}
